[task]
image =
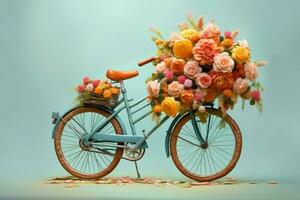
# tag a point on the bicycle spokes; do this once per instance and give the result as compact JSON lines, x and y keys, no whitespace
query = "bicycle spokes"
{"x":214,"y":155}
{"x":79,"y":155}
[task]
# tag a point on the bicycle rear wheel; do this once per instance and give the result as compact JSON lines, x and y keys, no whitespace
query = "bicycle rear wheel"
{"x":76,"y":158}
{"x":211,"y":161}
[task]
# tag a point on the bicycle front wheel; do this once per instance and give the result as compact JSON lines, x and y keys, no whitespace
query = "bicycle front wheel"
{"x":217,"y":157}
{"x":77,"y":158}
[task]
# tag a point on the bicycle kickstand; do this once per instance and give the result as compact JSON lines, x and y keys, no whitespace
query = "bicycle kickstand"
{"x":137,"y":170}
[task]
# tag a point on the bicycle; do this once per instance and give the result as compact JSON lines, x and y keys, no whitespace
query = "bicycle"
{"x":90,"y":140}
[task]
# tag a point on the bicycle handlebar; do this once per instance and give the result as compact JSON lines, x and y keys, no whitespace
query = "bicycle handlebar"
{"x":146,"y":61}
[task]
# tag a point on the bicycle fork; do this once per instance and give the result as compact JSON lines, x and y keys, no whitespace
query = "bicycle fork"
{"x":203,"y":143}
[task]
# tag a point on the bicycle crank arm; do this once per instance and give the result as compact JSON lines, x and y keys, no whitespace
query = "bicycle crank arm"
{"x":105,"y":152}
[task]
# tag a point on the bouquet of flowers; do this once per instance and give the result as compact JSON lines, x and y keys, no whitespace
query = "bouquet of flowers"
{"x":200,"y":65}
{"x":100,"y":92}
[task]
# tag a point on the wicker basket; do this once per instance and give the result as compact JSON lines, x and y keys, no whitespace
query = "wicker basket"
{"x":99,"y":100}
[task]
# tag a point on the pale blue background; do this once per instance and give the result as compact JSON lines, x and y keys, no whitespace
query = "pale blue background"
{"x":46,"y":47}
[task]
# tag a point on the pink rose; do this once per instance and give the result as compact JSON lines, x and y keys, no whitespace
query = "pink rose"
{"x":228,"y":34}
{"x":191,"y":69}
{"x":96,"y":83}
{"x":89,"y":87}
{"x":240,"y":86}
{"x":161,"y":67}
{"x":86,"y":80}
{"x":80,"y":88}
{"x":181,"y":79}
{"x":203,"y":80}
{"x":168,"y":74}
{"x":223,"y":63}
{"x":251,"y":71}
{"x":188,"y":83}
{"x":175,"y":89}
{"x":205,"y":50}
{"x":153,"y":88}
{"x":255,"y":95}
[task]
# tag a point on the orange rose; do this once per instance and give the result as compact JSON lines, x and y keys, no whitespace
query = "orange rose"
{"x":98,"y":90}
{"x":238,"y":73}
{"x":210,"y":95}
{"x":177,"y":66}
{"x":157,"y":109}
{"x":187,"y":97}
{"x":222,"y":81}
{"x":228,"y":93}
{"x":114,"y":91}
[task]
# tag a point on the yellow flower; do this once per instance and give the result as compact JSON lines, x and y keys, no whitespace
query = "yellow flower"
{"x":190,"y":34}
{"x":227,"y":42}
{"x":241,"y":54}
{"x":106,"y":94}
{"x":183,"y":49}
{"x":170,"y":106}
{"x":158,"y":41}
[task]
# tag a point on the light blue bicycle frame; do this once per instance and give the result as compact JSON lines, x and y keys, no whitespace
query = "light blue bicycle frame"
{"x":135,"y":141}
{"x":139,"y":141}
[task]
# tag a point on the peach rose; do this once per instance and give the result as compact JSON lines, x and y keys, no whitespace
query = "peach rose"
{"x":205,"y":50}
{"x":191,"y":69}
{"x":240,"y":86}
{"x":222,"y":81}
{"x":161,"y":67}
{"x":153,"y":88}
{"x":223,"y":63}
{"x":177,"y":66}
{"x":175,"y":89}
{"x":203,"y":80}
{"x":211,"y":31}
{"x":251,"y":71}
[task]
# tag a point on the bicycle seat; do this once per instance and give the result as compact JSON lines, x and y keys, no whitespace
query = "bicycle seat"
{"x":121,"y":75}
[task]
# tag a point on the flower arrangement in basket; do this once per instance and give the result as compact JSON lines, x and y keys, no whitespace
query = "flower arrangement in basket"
{"x":200,"y":65}
{"x":97,"y":92}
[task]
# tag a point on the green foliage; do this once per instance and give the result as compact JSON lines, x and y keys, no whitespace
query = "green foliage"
{"x":257,"y":85}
